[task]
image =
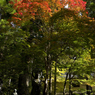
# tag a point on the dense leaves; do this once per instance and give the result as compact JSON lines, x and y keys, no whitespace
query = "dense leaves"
{"x":27,"y":9}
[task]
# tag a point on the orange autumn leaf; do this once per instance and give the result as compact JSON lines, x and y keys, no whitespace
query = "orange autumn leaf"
{"x":43,"y":8}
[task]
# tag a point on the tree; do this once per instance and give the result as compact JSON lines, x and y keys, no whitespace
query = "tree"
{"x":90,"y":6}
{"x":75,"y":39}
{"x":42,"y":9}
{"x":11,"y":47}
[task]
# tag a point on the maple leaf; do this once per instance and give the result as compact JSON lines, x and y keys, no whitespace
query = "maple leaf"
{"x":44,"y":9}
{"x":20,"y":13}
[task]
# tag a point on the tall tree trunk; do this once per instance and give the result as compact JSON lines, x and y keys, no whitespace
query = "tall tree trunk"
{"x":88,"y":88}
{"x":50,"y":83}
{"x":35,"y":88}
{"x":46,"y":83}
{"x":70,"y":82}
{"x":65,"y":84}
{"x":36,"y":85}
{"x":22,"y":86}
{"x":50,"y":70}
{"x":45,"y":91}
{"x":48,"y":66}
{"x":55,"y":79}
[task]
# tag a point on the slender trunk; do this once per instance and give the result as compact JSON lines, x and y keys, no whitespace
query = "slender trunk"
{"x":70,"y":83}
{"x":65,"y":84}
{"x":55,"y":79}
{"x":46,"y":77}
{"x":50,"y":83}
{"x":50,"y":79}
{"x":48,"y":67}
{"x":46,"y":83}
{"x":88,"y":88}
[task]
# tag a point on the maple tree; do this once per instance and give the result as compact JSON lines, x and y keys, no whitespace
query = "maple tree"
{"x":28,"y":9}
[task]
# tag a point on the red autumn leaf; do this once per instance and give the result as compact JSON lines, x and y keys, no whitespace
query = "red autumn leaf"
{"x":44,"y":9}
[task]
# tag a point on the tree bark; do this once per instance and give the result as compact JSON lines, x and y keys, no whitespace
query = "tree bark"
{"x":88,"y":88}
{"x":55,"y":79}
{"x":50,"y":83}
{"x":65,"y":84}
{"x":36,"y":84}
{"x":70,"y":82}
{"x":22,"y":86}
{"x":35,"y":88}
{"x":45,"y":91}
{"x":46,"y":83}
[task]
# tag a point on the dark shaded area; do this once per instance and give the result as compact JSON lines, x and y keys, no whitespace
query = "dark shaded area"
{"x":75,"y":84}
{"x":22,"y":84}
{"x":36,"y":86}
